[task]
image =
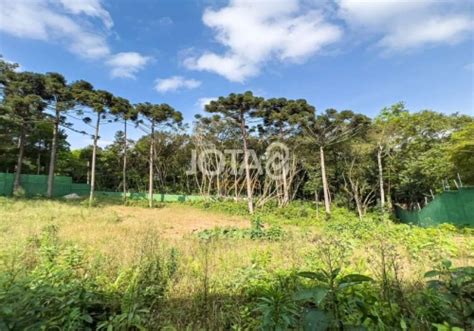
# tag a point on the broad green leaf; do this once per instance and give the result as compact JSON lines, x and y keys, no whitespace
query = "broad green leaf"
{"x":312,"y":275}
{"x":354,"y":278}
{"x":335,"y":273}
{"x":87,"y":318}
{"x":432,"y":273}
{"x":317,"y":294}
{"x":403,"y":324}
{"x":316,"y":320}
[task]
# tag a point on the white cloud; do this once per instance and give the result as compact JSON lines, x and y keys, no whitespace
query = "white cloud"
{"x":68,"y":22}
{"x":254,"y":32}
{"x":47,"y":21}
{"x":202,"y":102}
{"x":127,"y":64}
{"x":90,"y":8}
{"x":174,"y":83}
{"x":406,"y":25}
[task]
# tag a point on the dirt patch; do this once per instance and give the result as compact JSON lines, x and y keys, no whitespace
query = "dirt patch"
{"x":177,"y":220}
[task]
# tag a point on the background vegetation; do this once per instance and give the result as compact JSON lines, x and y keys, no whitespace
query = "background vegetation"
{"x":397,"y":157}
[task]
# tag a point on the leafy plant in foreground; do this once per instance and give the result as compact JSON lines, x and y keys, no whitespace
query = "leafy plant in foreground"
{"x":323,"y":300}
{"x":456,"y":288}
{"x":279,"y":310}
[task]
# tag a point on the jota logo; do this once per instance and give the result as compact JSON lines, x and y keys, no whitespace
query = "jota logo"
{"x":212,"y":162}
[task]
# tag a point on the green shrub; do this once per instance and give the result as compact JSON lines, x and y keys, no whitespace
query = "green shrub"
{"x":61,"y":292}
{"x":257,"y":231}
{"x":455,"y":288}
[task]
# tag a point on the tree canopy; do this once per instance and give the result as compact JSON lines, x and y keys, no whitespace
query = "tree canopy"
{"x":399,"y":156}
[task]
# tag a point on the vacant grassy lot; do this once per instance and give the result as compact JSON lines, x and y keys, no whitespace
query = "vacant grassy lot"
{"x":201,"y":267}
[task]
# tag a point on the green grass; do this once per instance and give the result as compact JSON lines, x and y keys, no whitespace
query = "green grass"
{"x":65,"y":265}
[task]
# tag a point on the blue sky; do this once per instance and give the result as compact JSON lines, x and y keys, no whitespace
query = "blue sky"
{"x":343,"y":54}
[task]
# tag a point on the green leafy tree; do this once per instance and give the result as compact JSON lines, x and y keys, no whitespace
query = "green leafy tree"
{"x":384,"y":133}
{"x":100,"y":102}
{"x":331,"y":128}
{"x":23,"y":105}
{"x":61,"y":100}
{"x":282,"y":118}
{"x":238,"y":108}
{"x":123,"y":109}
{"x":158,"y":115}
{"x":461,"y":153}
{"x":419,"y":162}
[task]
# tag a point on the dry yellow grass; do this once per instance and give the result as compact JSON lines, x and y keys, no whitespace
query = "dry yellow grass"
{"x":116,"y":234}
{"x":113,"y":230}
{"x":113,"y":237}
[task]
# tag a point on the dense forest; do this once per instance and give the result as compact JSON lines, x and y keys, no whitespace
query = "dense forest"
{"x":341,"y":157}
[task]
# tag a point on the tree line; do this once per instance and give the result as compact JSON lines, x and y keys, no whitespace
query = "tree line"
{"x":27,"y":97}
{"x":337,"y":157}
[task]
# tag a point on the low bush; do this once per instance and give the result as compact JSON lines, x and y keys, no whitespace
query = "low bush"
{"x":60,"y":291}
{"x":255,"y":232}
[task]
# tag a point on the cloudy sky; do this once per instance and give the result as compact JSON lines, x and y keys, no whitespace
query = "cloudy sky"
{"x":343,"y":54}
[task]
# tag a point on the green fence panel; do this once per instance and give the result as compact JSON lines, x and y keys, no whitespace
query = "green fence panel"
{"x":6,"y":184}
{"x":455,"y":207}
{"x":35,"y":185}
{"x":80,"y":189}
{"x":160,"y":197}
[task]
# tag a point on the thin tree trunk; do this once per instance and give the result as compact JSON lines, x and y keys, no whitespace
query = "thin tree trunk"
{"x":124,"y":170}
{"x":218,"y":180}
{"x":236,"y":187}
{"x":247,"y":167}
{"x":38,"y":162}
{"x":327,"y":203}
{"x":94,"y":155}
{"x":286,"y":197}
{"x":358,"y":203}
{"x":316,"y":197}
{"x":52,"y":161}
{"x":150,"y":179}
{"x":285,"y":186}
{"x":21,"y":150}
{"x":382,"y":192}
{"x":88,"y":181}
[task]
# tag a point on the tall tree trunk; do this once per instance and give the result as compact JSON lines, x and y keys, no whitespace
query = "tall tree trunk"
{"x":88,"y":181}
{"x":38,"y":162}
{"x":150,"y":178}
{"x":316,"y":199}
{"x":21,"y":150}
{"x":327,"y":203}
{"x":218,"y":179}
{"x":286,"y":197}
{"x":286,"y":193}
{"x":124,"y":170}
{"x":94,"y":154}
{"x":52,"y":161}
{"x":358,"y":202}
{"x":247,"y":166}
{"x":236,"y":187}
{"x":379,"y":161}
